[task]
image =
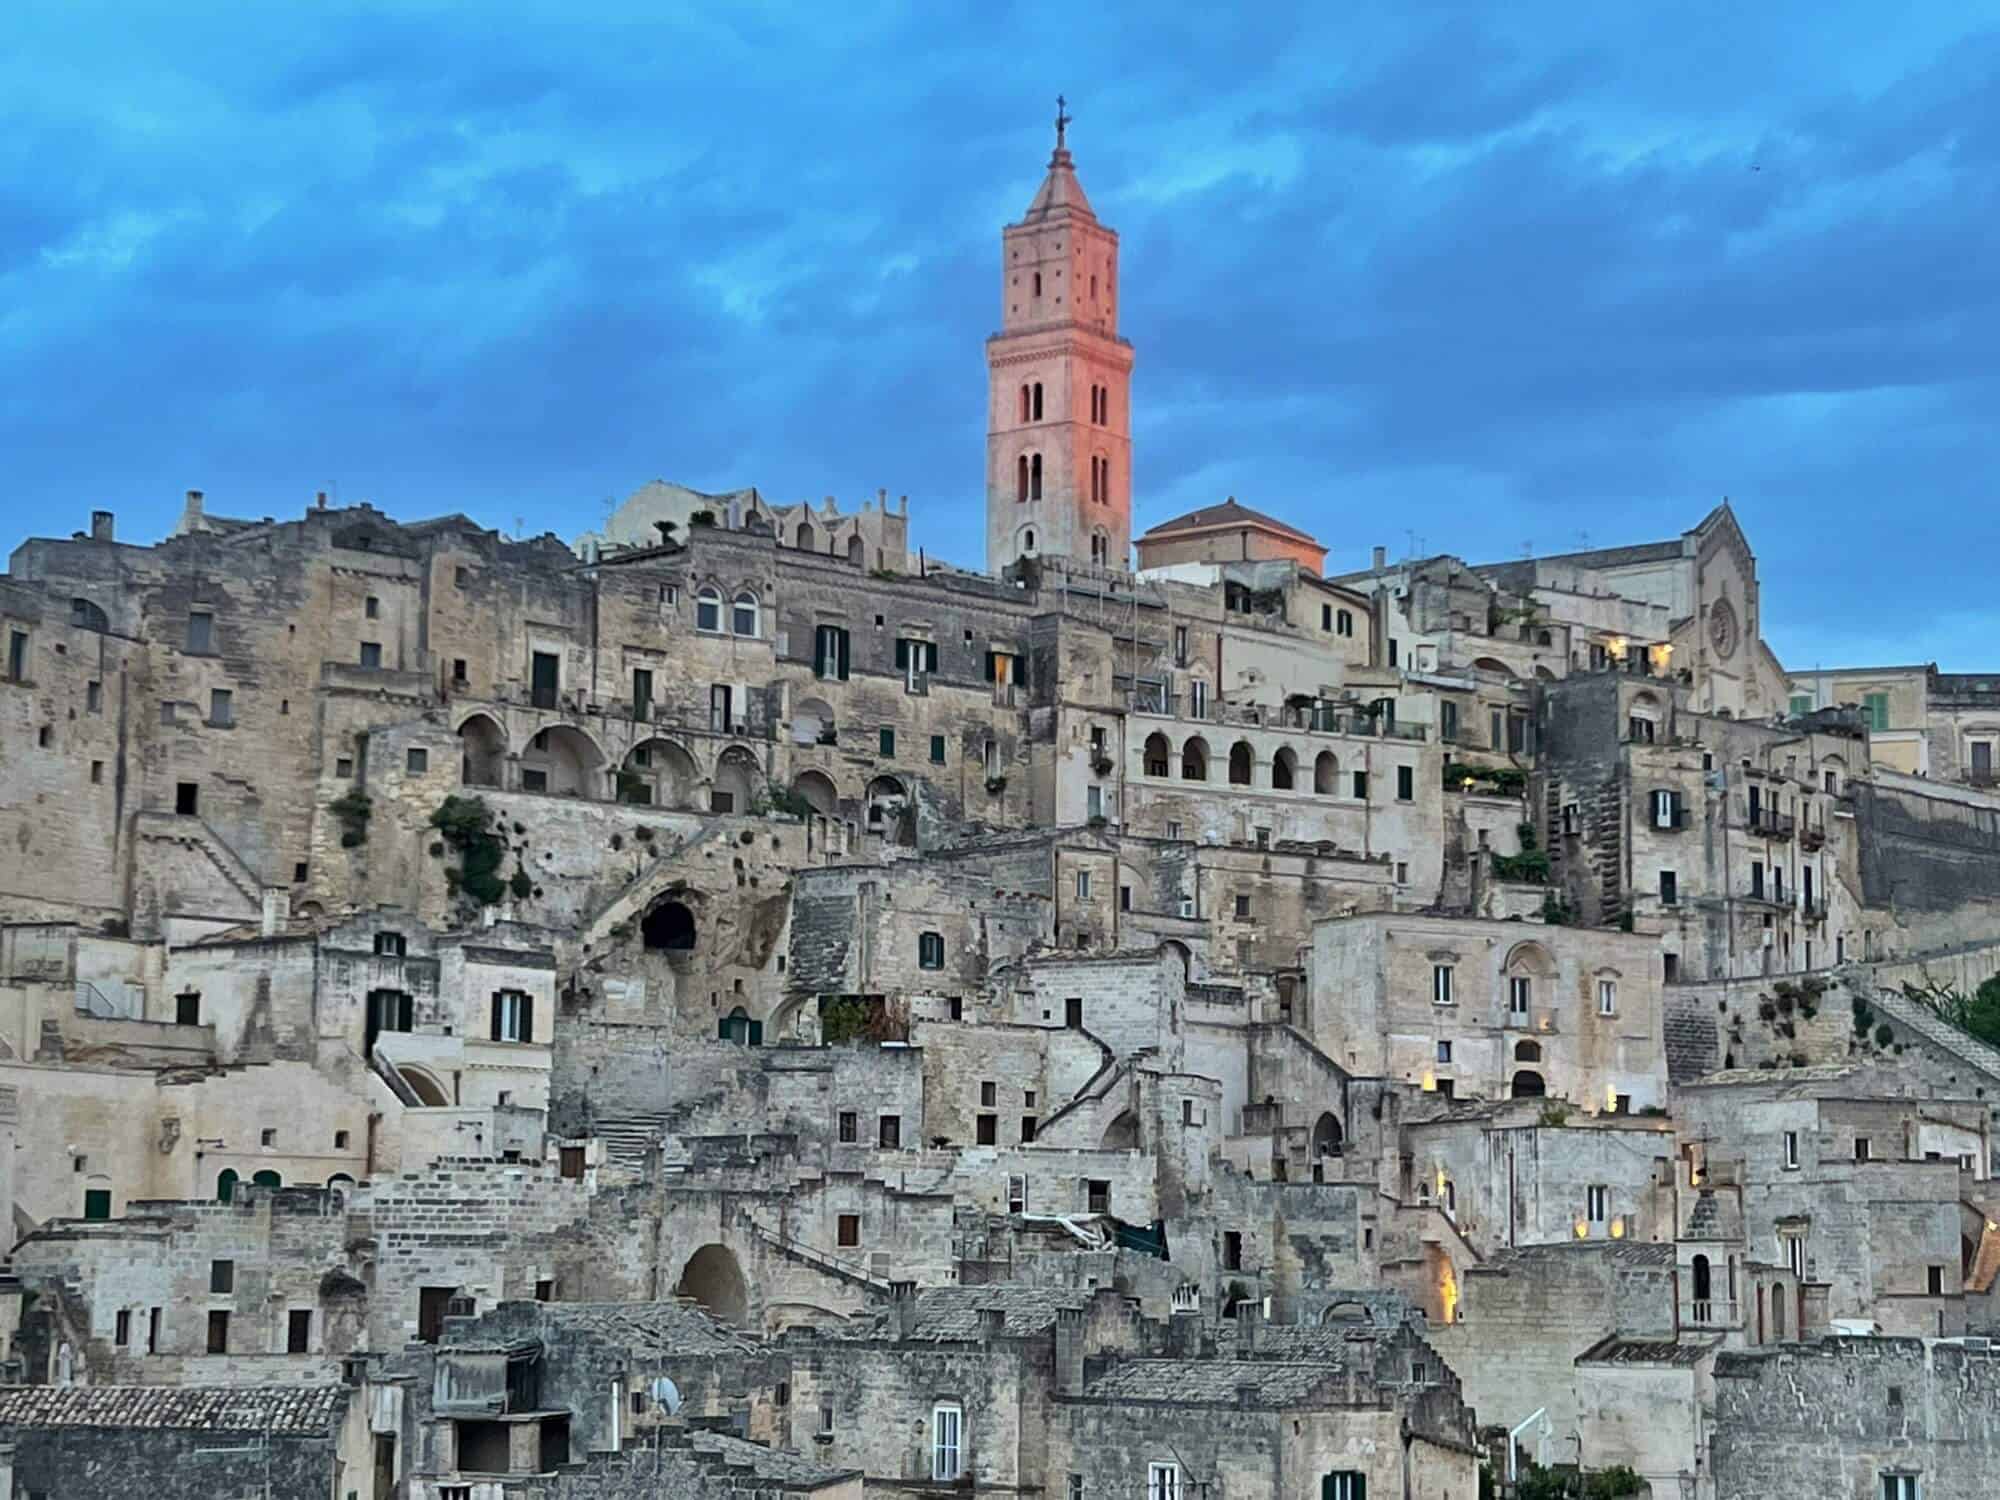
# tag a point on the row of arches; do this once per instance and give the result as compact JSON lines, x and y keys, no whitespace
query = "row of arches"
{"x":564,"y":760}
{"x":1193,"y":762}
{"x":807,"y":540}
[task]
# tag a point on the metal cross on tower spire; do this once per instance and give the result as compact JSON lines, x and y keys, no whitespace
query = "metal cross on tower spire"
{"x":1063,"y":120}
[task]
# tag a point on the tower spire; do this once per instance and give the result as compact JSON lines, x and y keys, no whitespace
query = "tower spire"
{"x":1063,"y":120}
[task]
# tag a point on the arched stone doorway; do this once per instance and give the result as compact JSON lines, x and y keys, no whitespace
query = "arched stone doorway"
{"x":658,"y":773}
{"x":564,"y":762}
{"x":713,"y":1278}
{"x":1327,"y":1136}
{"x":1528,"y":1084}
{"x":482,"y":752}
{"x":736,"y":778}
{"x":669,"y":926}
{"x":1122,"y":1134}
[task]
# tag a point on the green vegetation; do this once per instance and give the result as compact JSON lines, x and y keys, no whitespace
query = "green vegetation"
{"x":1977,"y":1015}
{"x":1503,"y":781}
{"x":353,"y":810}
{"x":1567,"y":1484}
{"x":1531,"y":864}
{"x":466,"y":825}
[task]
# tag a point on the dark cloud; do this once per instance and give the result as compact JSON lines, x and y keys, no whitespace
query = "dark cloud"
{"x":1467,"y":277}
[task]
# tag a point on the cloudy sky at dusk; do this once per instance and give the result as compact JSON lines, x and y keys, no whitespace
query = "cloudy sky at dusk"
{"x":1469,"y":279}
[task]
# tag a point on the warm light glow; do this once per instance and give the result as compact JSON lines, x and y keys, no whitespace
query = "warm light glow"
{"x":1430,"y":1082}
{"x":1583,"y":1229}
{"x":1440,"y":1182}
{"x":1618,"y":1228}
{"x":1610,"y":1098}
{"x":1617,"y":646}
{"x":1548,"y":1022}
{"x":1448,"y":1291}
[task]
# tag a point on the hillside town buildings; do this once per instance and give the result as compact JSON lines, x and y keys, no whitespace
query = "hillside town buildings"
{"x":729,"y":1002}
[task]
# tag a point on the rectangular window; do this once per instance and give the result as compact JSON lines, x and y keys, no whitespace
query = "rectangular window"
{"x":1801,"y":704}
{"x":1097,"y":1195}
{"x":1163,"y":1482}
{"x":1350,"y":1484}
{"x":1326,"y":617}
{"x":1669,"y":889}
{"x":1597,"y":1203}
{"x":888,"y":742}
{"x":458,"y":669}
{"x":1083,"y":885}
{"x":1094,"y":802}
{"x":1073,"y":1489}
{"x":218,"y":1333}
{"x":1876,"y":708}
{"x":937,"y":749}
{"x":416,"y":760}
{"x":1392,"y":651}
{"x":1791,"y":1150}
{"x":720,"y":717}
{"x":570,"y":1164}
{"x":986,"y":1130}
{"x":544,"y":679}
{"x":1444,"y":1052}
{"x":947,"y":1424}
{"x":187,"y":799}
{"x":1861,"y":1148}
{"x":371,"y":656}
{"x":1607,"y":997}
{"x":513,"y":1016}
{"x":222,"y":1276}
{"x":153,"y":1331}
{"x":17,"y":656}
{"x":1361,"y":786}
{"x":1934,"y":1280}
{"x":1795,"y":1255}
{"x":1197,"y":699}
{"x":221,"y":708}
{"x":1232,"y":1250}
{"x":201,"y":633}
{"x":1757,"y":879}
{"x":1900,"y":1487}
{"x":826,"y":1420}
{"x":1173,"y":831}
{"x":1406,"y":783}
{"x":850,"y":1124}
{"x":1242,"y":908}
{"x":1180,"y":645}
{"x":1448,"y":722}
{"x":930,"y":950}
{"x":1441,"y":984}
{"x":298,"y":1331}
{"x":123,"y":1333}
{"x":889,"y":1132}
{"x":642,"y":694}
{"x":97,"y":773}
{"x":1520,"y":991}
{"x":848,"y":1232}
{"x":914,"y":658}
{"x":93,"y":697}
{"x":1124,"y":898}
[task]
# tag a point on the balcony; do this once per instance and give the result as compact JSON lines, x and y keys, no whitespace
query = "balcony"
{"x":1708,"y":1312}
{"x":1813,"y":911}
{"x":1812,"y":836}
{"x":1771,"y":823}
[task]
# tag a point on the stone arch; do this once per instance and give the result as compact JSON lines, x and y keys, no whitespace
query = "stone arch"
{"x":1284,"y":769}
{"x":713,"y":1278}
{"x":857,"y":550}
{"x":1702,"y":1279}
{"x":735,"y":786}
{"x":568,"y":760}
{"x":1542,"y":673}
{"x":1530,"y":957}
{"x":85,"y":614}
{"x":1492,"y":664}
{"x":658,"y":773}
{"x":1528,"y":1084}
{"x":225,"y":1185}
{"x":1194,"y":760}
{"x":1159,"y":754}
{"x":818,"y":792}
{"x":1326,"y":774}
{"x":1178,"y":951}
{"x":1645,"y":707}
{"x":808,"y":539}
{"x":429,"y":1091}
{"x":669,"y":926}
{"x":1242,"y":761}
{"x":1122,"y":1134}
{"x":1328,"y":1138}
{"x":1527,"y":1052}
{"x":267,"y":1178}
{"x":482,"y":751}
{"x":886,"y":798}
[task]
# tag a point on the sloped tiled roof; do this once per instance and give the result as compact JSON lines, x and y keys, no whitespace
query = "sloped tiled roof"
{"x":651,"y":1327}
{"x":952,"y":1312}
{"x":780,"y":1465}
{"x":257,"y":1408}
{"x":1229,"y":513}
{"x":1211,"y":1382}
{"x":1621,"y":1350}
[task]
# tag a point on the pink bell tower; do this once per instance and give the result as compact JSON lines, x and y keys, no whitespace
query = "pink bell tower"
{"x":1059,"y":378}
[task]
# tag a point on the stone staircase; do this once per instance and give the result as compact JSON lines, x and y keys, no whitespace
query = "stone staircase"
{"x":1907,"y":1014}
{"x":849,"y":1271}
{"x":629,"y":1139}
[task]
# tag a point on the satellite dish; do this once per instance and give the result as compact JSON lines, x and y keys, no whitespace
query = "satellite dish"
{"x":666,"y":1396}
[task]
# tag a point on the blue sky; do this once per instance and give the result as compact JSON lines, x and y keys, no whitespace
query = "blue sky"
{"x":1467,"y":279}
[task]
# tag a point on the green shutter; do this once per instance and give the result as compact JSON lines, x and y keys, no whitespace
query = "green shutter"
{"x":1801,"y":704}
{"x":902,"y":656}
{"x":990,"y":656}
{"x":819,"y":651}
{"x":937,"y":749}
{"x":930,"y":656}
{"x":97,"y":1203}
{"x":840,"y":645}
{"x":888,"y":742}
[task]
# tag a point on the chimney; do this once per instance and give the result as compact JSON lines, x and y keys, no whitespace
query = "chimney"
{"x":102,"y":526}
{"x":319,"y":500}
{"x":1381,"y":558}
{"x":903,"y":1308}
{"x":277,"y":911}
{"x":193,"y":511}
{"x":1069,"y":1351}
{"x":992,"y":1324}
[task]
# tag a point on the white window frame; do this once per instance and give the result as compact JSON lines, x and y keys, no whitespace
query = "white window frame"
{"x":1163,"y":1481}
{"x":1902,"y":1486}
{"x":1597,"y":1203}
{"x":1083,"y":885}
{"x":1520,"y":994}
{"x":1342,"y":1485}
{"x":1607,"y":997}
{"x":947,"y":1442}
{"x":513,"y":1006}
{"x":1444,"y":1052}
{"x":1441,"y":984}
{"x":708,"y":599}
{"x":1197,"y":705}
{"x":1791,"y":1143}
{"x":746,"y":600}
{"x":1795,"y":1255}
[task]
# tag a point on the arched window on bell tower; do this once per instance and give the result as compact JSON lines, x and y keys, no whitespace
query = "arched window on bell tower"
{"x":1024,"y":403}
{"x":1035,"y":477}
{"x":1038,"y":401}
{"x":1021,"y":478}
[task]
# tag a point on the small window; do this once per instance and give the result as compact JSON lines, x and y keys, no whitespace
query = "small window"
{"x":1934,"y":1280}
{"x":1326,"y":617}
{"x":97,"y":773}
{"x":889,"y":1132}
{"x":1901,"y":1487}
{"x":947,"y":1427}
{"x":708,"y":611}
{"x":1444,"y":1051}
{"x":930,"y":950}
{"x":218,"y":1332}
{"x":1073,"y":1489}
{"x":187,"y":799}
{"x":373,"y":608}
{"x":391,"y":945}
{"x":1862,"y":1151}
{"x":937,"y":749}
{"x":986,"y":1130}
{"x":1343,"y":623}
{"x":888,"y":742}
{"x":458,"y":669}
{"x":187,"y":1008}
{"x":1607,"y":997}
{"x":1791,"y":1150}
{"x":849,"y":1126}
{"x":1406,"y":783}
{"x":341,"y":1138}
{"x":17,"y":656}
{"x":201,"y":633}
{"x":93,"y":697}
{"x":848,"y":1232}
{"x":222,"y":1277}
{"x":1361,"y":786}
{"x":1669,"y":888}
{"x":1520,"y":993}
{"x":298,"y":1331}
{"x":1242,"y":908}
{"x":123,"y":1334}
{"x":1441,"y":975}
{"x":826,"y":1421}
{"x":743,"y":615}
{"x":1097,"y":1195}
{"x":371,"y":655}
{"x":343,"y":765}
{"x":1163,"y":1481}
{"x":416,"y":760}
{"x":1597,"y":1203}
{"x":513,"y":1016}
{"x":1232,"y":1250}
{"x":1083,"y":885}
{"x":267,"y":1137}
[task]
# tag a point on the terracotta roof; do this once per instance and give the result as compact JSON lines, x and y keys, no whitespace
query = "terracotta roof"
{"x":258,"y":1408}
{"x":1227,"y":514}
{"x":1060,"y":192}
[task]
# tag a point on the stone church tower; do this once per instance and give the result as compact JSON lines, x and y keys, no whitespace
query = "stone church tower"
{"x":1058,"y":421}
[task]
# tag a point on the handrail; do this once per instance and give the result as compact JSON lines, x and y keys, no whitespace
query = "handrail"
{"x":810,"y":1255}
